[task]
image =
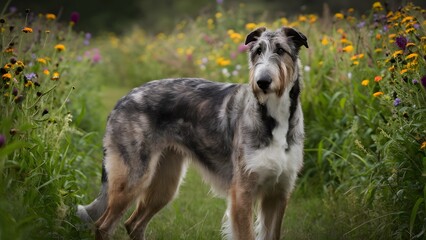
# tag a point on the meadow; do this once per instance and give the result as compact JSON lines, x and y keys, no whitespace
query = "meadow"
{"x":364,"y":100}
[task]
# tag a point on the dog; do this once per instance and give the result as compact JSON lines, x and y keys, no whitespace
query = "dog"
{"x":246,"y":140}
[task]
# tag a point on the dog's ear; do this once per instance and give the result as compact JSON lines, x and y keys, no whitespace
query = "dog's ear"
{"x":297,"y":37}
{"x":253,"y":36}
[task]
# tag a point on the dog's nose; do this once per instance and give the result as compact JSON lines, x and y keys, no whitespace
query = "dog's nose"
{"x":264,"y":82}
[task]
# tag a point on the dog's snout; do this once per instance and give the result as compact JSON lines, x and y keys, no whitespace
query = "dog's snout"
{"x":264,"y":82}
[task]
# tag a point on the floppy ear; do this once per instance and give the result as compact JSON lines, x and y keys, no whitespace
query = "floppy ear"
{"x":297,"y":37}
{"x":253,"y":36}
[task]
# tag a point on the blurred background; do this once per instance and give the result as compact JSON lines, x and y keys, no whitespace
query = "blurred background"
{"x":161,"y":15}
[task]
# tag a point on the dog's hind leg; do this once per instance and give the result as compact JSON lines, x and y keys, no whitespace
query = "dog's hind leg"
{"x":121,"y":193}
{"x":162,"y":189}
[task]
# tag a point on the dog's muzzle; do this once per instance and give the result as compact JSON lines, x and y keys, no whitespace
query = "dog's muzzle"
{"x":264,"y":82}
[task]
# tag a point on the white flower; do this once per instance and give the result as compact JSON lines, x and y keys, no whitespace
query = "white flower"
{"x":307,"y":68}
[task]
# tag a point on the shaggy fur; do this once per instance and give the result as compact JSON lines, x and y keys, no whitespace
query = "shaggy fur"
{"x":246,"y":140}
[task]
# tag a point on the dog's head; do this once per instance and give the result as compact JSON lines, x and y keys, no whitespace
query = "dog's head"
{"x":273,"y":59}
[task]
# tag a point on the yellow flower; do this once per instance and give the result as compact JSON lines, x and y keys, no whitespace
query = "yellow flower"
{"x":391,"y":69}
{"x":392,"y":36}
{"x":324,"y":41}
{"x":378,"y":50}
{"x":20,"y":63}
{"x":236,"y":37}
{"x":27,"y":30}
{"x":302,"y":18}
{"x":251,"y":26}
{"x":410,"y":44}
{"x":41,"y":60}
{"x":407,"y":19}
{"x":413,"y":55}
{"x":423,"y":146}
{"x":348,"y":48}
{"x":218,"y":15}
{"x":6,"y":76}
{"x":55,"y":76}
{"x":377,"y":94}
{"x":403,"y":71}
{"x":313,"y":18}
{"x":339,"y":16}
{"x":409,"y":30}
{"x":29,"y":83}
{"x":355,"y":63}
{"x":397,"y":53}
{"x":60,"y":47}
{"x":284,"y":21}
{"x":50,"y":16}
{"x":46,"y":72}
{"x":377,"y":6}
{"x":365,"y":82}
{"x":223,"y":62}
{"x":180,"y":36}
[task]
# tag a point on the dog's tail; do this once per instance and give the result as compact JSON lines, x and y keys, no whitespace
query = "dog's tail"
{"x":93,"y":211}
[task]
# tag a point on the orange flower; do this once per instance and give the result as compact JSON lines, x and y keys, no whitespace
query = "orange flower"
{"x":377,"y":94}
{"x":378,"y":78}
{"x":423,"y":146}
{"x":60,"y":47}
{"x":27,"y":30}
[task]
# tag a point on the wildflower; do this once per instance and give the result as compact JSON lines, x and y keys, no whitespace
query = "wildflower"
{"x":55,"y":76}
{"x":313,"y":18}
{"x":41,"y":60}
{"x":324,"y":41}
{"x":403,"y":71}
{"x":236,"y":37}
{"x":2,"y":140}
{"x":378,"y":50}
{"x":29,"y":83}
{"x":302,"y":18}
{"x":365,"y":82}
{"x":339,"y":16}
{"x":219,"y":2}
{"x":30,"y":76}
{"x":377,"y":6}
{"x":401,"y":42}
{"x":415,"y":81}
{"x":397,"y":53}
{"x":250,"y":26}
{"x":50,"y":16}
{"x":242,"y":48}
{"x":396,"y":102}
{"x":377,"y":94}
{"x":218,"y":15}
{"x":378,"y":78}
{"x":6,"y":76}
{"x":223,"y":62}
{"x":409,"y":30}
{"x":423,"y":146}
{"x":88,"y":36}
{"x":75,"y":16}
{"x":348,"y":48}
{"x":60,"y":47}
{"x":412,"y":55}
{"x":361,"y":24}
{"x":46,"y":72}
{"x":410,"y":45}
{"x":27,"y":30}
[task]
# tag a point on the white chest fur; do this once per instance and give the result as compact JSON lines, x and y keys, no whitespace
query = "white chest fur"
{"x":277,"y":164}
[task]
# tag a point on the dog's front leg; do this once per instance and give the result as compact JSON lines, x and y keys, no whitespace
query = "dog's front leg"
{"x":242,"y":210}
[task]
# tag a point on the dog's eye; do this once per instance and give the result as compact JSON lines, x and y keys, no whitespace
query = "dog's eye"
{"x":259,"y":51}
{"x":280,"y":51}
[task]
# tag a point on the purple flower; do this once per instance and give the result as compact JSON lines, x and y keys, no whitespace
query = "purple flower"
{"x":219,"y":1}
{"x":401,"y":41}
{"x":415,"y":81}
{"x":30,"y":76}
{"x":75,"y":16}
{"x":2,"y":140}
{"x":242,"y":48}
{"x":423,"y":81}
{"x":361,"y":24}
{"x":396,"y":102}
